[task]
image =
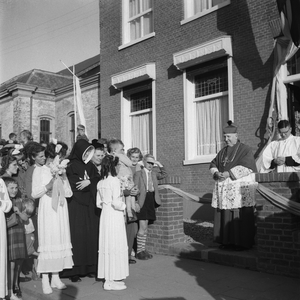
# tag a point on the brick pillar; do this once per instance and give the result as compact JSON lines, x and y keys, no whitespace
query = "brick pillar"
{"x":278,"y":232}
{"x":167,"y":230}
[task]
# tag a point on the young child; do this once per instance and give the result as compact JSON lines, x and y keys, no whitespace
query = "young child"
{"x":116,"y":147}
{"x":112,"y":255}
{"x":147,"y":182}
{"x":81,"y":133}
{"x":5,"y":206}
{"x":28,"y":208}
{"x":12,"y":138}
{"x":16,"y":240}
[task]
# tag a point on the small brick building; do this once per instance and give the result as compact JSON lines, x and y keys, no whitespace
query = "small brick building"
{"x":42,"y":102}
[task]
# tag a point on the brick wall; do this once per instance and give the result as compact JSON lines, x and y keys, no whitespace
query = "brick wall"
{"x":278,"y":232}
{"x":167,"y":230}
{"x":245,"y":21}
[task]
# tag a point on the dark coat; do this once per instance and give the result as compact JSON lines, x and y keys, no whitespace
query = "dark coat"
{"x":83,"y":213}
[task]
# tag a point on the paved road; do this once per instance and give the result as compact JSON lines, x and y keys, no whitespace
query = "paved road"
{"x":173,"y":278}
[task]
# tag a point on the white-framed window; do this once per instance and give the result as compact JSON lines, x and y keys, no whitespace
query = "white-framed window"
{"x":137,"y":21}
{"x":208,"y":106}
{"x":197,"y":8}
{"x":138,"y":116}
{"x":46,"y":126}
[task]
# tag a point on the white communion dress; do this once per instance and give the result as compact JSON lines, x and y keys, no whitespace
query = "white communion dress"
{"x":55,"y":248}
{"x":113,"y":248}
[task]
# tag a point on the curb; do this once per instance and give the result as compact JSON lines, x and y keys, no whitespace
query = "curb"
{"x":243,"y":259}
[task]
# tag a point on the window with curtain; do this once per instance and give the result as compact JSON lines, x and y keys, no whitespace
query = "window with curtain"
{"x":211,"y":105}
{"x":45,"y":130}
{"x":138,"y":19}
{"x":200,"y":7}
{"x":141,"y":121}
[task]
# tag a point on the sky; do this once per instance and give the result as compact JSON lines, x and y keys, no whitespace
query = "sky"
{"x":37,"y":34}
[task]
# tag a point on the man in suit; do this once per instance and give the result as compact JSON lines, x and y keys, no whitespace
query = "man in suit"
{"x":148,"y":199}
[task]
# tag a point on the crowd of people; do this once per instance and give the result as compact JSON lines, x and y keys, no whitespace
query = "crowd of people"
{"x":73,"y":214}
{"x":86,"y":213}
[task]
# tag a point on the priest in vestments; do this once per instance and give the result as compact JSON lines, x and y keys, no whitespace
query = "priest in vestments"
{"x":282,"y":155}
{"x":234,"y":193}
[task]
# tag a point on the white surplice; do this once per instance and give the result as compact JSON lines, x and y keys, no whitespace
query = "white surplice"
{"x":5,"y":207}
{"x":282,"y":148}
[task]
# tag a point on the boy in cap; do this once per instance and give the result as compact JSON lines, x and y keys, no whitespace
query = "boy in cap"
{"x":148,"y":199}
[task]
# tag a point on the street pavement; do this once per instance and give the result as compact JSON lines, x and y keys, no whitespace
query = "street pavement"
{"x":175,"y":278}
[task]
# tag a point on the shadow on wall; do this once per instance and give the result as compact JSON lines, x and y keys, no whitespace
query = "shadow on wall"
{"x":199,"y":210}
{"x":253,"y":68}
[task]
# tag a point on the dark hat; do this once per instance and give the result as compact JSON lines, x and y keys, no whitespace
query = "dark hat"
{"x":230,"y":128}
{"x":97,"y":145}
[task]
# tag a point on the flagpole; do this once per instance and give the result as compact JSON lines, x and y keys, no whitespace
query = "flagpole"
{"x":74,"y":89}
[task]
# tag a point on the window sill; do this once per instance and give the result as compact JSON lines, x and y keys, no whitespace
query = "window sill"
{"x":148,"y":36}
{"x":206,"y":12}
{"x":199,"y":160}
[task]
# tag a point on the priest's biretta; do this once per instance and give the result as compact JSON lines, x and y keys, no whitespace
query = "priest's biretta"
{"x":230,"y":128}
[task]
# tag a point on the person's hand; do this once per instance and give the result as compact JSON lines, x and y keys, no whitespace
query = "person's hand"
{"x":279,"y":160}
{"x":134,"y":191}
{"x":16,"y":210}
{"x":49,"y":186}
{"x":158,"y":163}
{"x":80,"y":185}
{"x":218,"y":176}
{"x":137,"y":207}
{"x":225,"y":174}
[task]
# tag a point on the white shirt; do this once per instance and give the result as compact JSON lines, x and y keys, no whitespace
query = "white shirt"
{"x":284,"y":148}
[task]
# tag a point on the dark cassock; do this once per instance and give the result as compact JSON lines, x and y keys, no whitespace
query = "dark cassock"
{"x":83,"y":213}
{"x":234,"y":193}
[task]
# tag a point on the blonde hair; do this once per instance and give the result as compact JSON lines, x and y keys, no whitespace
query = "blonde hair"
{"x":28,"y":206}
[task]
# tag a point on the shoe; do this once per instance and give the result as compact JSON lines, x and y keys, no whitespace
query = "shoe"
{"x":119,"y":282}
{"x":58,"y":284}
{"x":132,"y":261}
{"x":75,"y":279}
{"x":148,"y":254}
{"x":239,"y":248}
{"x":142,"y":255}
{"x":14,"y":297}
{"x":91,"y":275}
{"x":47,"y":288}
{"x":133,"y":218}
{"x":113,"y":286}
{"x":226,"y":247}
{"x":17,"y":291}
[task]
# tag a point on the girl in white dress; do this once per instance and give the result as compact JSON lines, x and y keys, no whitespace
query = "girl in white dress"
{"x":55,"y":252}
{"x":5,"y":206}
{"x":113,"y":249}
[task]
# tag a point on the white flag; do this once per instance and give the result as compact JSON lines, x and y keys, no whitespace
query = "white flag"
{"x":79,"y":104}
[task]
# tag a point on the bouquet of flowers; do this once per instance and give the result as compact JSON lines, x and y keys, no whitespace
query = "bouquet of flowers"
{"x":58,"y":168}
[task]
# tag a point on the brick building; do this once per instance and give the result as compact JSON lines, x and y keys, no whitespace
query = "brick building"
{"x":42,"y":102}
{"x":176,"y":71}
